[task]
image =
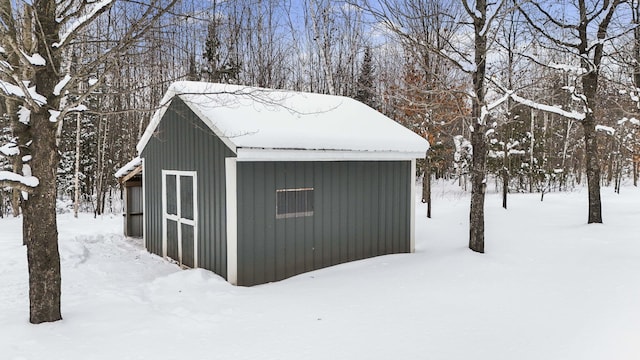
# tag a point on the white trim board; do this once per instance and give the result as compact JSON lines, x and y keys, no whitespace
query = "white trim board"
{"x":252,"y":154}
{"x":412,"y":209}
{"x":231,"y":187}
{"x":144,"y":208}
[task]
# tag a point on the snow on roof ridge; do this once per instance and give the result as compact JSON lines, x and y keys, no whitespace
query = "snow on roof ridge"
{"x":254,"y":117}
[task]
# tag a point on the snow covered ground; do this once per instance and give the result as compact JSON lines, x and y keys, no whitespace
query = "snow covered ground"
{"x":549,"y":287}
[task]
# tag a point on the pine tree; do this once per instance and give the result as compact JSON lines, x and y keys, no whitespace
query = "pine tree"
{"x":220,"y":65}
{"x":365,"y":88}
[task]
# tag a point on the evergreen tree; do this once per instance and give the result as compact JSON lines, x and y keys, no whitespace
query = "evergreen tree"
{"x":365,"y":88}
{"x":220,"y":65}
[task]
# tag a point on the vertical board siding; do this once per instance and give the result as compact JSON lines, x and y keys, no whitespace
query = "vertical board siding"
{"x":183,"y":142}
{"x":361,"y":209}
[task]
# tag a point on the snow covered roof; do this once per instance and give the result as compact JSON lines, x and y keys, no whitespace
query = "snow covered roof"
{"x":128,"y":167}
{"x":263,"y":124}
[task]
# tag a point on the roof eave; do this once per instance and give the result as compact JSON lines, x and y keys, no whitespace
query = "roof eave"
{"x":261,"y":154}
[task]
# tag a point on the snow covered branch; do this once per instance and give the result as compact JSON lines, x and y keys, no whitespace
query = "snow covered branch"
{"x":17,"y":181}
{"x":548,"y":108}
{"x":575,"y":115}
{"x":484,"y":111}
{"x":9,"y":149}
{"x":75,"y":15}
{"x":607,"y":129}
{"x":22,"y":91}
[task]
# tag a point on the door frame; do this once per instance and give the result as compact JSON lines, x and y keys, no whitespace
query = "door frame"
{"x":177,"y":217}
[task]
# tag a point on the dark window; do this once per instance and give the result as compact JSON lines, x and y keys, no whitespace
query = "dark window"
{"x":294,"y":203}
{"x":186,"y":197}
{"x":172,"y":198}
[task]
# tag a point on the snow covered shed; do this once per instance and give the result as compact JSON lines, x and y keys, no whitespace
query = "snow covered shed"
{"x":259,"y":185}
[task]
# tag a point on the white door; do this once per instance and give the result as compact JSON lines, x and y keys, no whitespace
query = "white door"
{"x":179,"y":217}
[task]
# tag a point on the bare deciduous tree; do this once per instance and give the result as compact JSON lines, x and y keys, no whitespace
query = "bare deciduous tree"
{"x":582,"y":31}
{"x":468,"y":51}
{"x":39,"y":35}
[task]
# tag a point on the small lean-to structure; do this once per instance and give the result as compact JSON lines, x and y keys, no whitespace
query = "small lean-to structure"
{"x":258,"y":185}
{"x":130,"y":179}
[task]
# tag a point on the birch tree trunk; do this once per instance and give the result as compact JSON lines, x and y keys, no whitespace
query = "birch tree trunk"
{"x":532,"y":158}
{"x":76,"y":175}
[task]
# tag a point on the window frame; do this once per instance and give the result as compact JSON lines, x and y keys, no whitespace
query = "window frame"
{"x":309,"y":206}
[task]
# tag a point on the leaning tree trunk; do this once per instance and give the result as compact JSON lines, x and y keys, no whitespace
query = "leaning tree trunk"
{"x":40,"y":225}
{"x":593,"y":169}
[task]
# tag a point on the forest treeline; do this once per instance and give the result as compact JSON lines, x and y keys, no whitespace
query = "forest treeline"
{"x":405,"y":58}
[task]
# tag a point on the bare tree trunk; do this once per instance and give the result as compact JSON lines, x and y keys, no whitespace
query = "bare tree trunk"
{"x":619,"y":162}
{"x":611,"y":158}
{"x":478,"y":186}
{"x":42,"y":37}
{"x":101,"y":167}
{"x":426,"y":186}
{"x":76,"y":176}
{"x":478,"y":137}
{"x":532,"y":158}
{"x":505,"y":186}
{"x":565,"y":150}
{"x":323,"y":42}
{"x":593,"y":170}
{"x":12,"y":105}
{"x":40,"y":224}
{"x":635,"y":172}
{"x":635,"y":11}
{"x":19,"y":131}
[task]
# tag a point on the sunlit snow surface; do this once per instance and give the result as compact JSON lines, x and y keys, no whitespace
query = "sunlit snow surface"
{"x":549,"y":287}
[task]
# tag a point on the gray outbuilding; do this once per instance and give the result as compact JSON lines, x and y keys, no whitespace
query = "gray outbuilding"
{"x":259,"y":185}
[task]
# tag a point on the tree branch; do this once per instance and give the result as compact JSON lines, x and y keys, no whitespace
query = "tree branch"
{"x":16,"y":181}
